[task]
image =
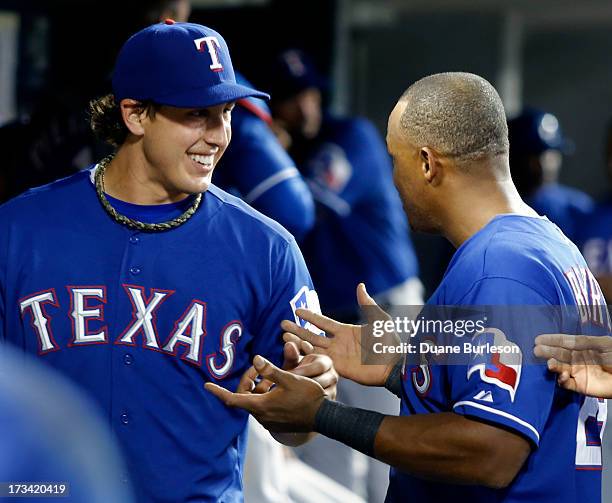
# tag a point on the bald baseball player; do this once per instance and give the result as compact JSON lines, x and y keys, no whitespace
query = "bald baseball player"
{"x":140,"y":280}
{"x":489,"y":429}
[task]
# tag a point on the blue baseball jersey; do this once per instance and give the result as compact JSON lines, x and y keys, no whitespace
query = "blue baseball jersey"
{"x":565,"y":206}
{"x":361,"y":232}
{"x":142,"y":320}
{"x":256,"y":168}
{"x":526,"y":263}
{"x":595,"y":238}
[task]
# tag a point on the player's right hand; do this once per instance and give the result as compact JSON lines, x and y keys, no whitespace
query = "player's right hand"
{"x":583,"y":363}
{"x":315,"y":366}
{"x":344,"y":343}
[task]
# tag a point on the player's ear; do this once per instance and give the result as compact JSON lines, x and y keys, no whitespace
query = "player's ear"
{"x":133,"y":113}
{"x":430,"y":164}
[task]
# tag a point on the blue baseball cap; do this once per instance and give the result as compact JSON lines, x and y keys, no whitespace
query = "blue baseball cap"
{"x":183,"y":65}
{"x":292,"y":72}
{"x":535,"y":131}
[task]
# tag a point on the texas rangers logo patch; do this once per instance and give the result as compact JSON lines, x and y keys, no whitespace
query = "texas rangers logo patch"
{"x":502,"y":369}
{"x":306,"y":299}
{"x":331,"y":168}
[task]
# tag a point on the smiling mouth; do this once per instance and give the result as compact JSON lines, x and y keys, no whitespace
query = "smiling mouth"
{"x":204,"y":164}
{"x":204,"y":160}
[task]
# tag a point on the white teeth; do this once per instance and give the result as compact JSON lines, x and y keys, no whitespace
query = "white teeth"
{"x":202,"y":159}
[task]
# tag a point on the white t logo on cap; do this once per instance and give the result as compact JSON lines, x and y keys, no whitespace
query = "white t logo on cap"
{"x":212,"y":50}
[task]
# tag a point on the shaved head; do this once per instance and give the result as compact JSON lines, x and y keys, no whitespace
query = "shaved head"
{"x":460,"y":115}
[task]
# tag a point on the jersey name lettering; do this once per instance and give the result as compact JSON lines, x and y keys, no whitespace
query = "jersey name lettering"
{"x":589,"y":298}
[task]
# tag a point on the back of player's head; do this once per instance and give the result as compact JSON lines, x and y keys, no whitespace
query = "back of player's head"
{"x":460,"y":115}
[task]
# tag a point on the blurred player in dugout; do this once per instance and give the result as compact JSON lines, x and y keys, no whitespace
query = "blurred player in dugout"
{"x":537,"y":146}
{"x":594,"y":237}
{"x":360,"y":235}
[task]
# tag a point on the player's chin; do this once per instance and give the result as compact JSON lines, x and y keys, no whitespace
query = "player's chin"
{"x":198,"y":184}
{"x":202,"y":186}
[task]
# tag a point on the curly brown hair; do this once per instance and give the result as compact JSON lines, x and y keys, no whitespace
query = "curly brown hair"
{"x":106,"y":121}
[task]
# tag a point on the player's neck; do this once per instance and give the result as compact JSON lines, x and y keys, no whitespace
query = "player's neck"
{"x":130,"y":178}
{"x":471,"y":209}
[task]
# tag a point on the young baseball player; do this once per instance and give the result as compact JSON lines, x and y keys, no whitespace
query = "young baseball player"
{"x":140,"y":280}
{"x":488,"y":428}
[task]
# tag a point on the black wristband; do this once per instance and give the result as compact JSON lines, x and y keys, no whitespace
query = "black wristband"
{"x":394,"y":381}
{"x":354,"y":427}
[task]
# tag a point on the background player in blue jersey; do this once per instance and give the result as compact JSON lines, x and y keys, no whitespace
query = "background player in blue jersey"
{"x":594,"y":237}
{"x":480,"y":430}
{"x":537,"y":146}
{"x":257,"y":168}
{"x":360,"y":233}
{"x":140,"y":280}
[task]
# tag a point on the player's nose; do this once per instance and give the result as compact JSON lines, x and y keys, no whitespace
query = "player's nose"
{"x":217,"y":134}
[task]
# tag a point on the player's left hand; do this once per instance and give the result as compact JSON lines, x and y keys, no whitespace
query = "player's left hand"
{"x":290,"y":406}
{"x":318,"y":367}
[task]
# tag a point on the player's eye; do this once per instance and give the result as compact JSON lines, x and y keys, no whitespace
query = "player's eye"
{"x":198,"y":113}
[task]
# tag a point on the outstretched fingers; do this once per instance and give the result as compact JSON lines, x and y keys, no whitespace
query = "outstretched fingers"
{"x":576,"y":342}
{"x":369,"y":306}
{"x":558,"y":353}
{"x":250,"y":401}
{"x":564,"y":374}
{"x":248,"y":381}
{"x":270,"y":371}
{"x":244,"y":401}
{"x":320,"y":321}
{"x":305,"y":335}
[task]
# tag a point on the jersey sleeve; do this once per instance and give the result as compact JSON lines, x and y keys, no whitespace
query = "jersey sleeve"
{"x":292,"y":289}
{"x":498,"y":381}
{"x":348,"y":169}
{"x":288,"y":201}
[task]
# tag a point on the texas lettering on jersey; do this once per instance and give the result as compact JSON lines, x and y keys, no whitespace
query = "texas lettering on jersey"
{"x":87,"y":305}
